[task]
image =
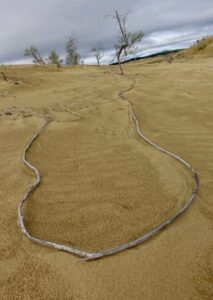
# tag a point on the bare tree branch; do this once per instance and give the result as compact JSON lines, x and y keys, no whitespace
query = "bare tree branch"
{"x":127,"y":40}
{"x":73,"y":57}
{"x":98,"y":52}
{"x":34,"y":53}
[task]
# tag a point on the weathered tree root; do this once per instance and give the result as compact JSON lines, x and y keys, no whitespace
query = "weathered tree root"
{"x":109,"y":251}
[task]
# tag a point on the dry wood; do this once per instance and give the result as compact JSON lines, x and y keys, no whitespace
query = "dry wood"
{"x":109,"y":251}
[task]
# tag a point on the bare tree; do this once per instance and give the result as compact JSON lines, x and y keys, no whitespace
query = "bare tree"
{"x":34,"y":53}
{"x":126,"y":41}
{"x":73,"y":57}
{"x":55,"y":59}
{"x":98,"y":52}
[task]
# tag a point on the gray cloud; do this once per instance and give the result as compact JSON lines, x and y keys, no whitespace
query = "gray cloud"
{"x":47,"y":24}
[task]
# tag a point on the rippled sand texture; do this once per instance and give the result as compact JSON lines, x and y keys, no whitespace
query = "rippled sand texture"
{"x":101,"y":185}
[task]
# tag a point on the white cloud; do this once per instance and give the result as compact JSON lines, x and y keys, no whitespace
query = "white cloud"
{"x":47,"y":24}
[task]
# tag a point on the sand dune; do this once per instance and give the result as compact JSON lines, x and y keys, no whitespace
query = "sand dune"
{"x":101,"y":185}
{"x":201,"y":49}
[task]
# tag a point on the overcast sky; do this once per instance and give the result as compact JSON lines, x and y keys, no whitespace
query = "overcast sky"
{"x":47,"y":24}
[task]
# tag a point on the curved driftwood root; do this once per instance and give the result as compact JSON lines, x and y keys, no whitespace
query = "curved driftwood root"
{"x":105,"y":252}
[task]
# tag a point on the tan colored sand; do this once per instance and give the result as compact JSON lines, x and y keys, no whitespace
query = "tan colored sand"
{"x":101,"y":185}
{"x":201,"y":49}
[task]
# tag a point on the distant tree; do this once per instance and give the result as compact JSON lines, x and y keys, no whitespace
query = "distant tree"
{"x":34,"y":53}
{"x":72,"y":57}
{"x":98,"y":52}
{"x":126,"y":41}
{"x":3,"y":72}
{"x":55,"y":59}
{"x":3,"y":67}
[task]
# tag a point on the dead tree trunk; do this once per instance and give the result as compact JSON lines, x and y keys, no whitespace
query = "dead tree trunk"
{"x":126,"y":40}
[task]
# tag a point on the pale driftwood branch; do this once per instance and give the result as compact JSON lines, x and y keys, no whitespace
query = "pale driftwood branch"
{"x":109,"y":251}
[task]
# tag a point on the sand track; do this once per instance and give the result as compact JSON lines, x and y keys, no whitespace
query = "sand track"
{"x":103,"y":185}
{"x":108,"y":251}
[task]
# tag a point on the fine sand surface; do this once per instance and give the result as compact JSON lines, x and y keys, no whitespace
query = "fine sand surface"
{"x":102,"y":185}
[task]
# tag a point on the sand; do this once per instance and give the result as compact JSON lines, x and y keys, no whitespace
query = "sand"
{"x":101,"y":185}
